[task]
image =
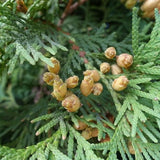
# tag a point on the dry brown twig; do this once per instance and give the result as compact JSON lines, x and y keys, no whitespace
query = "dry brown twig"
{"x":69,"y":9}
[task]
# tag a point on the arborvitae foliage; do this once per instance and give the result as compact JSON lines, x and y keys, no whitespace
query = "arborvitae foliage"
{"x":33,"y":124}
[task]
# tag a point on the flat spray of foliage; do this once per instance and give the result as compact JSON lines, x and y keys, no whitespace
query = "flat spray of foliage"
{"x":26,"y":42}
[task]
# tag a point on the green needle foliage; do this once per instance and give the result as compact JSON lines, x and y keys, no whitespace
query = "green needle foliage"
{"x":34,"y":125}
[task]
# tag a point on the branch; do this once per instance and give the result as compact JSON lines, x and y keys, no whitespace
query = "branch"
{"x":69,"y":9}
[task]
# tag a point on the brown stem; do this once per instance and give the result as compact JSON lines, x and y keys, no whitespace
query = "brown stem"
{"x":69,"y":9}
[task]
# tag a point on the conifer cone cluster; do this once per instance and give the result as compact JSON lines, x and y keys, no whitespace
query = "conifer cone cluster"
{"x":88,"y":84}
{"x":147,"y":6}
{"x":124,"y":60}
{"x":89,"y":132}
{"x":60,"y":89}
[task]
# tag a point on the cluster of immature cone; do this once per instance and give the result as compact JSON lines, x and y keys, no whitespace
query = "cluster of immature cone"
{"x":124,"y":60}
{"x":147,"y":7}
{"x":89,"y":132}
{"x":61,"y":90}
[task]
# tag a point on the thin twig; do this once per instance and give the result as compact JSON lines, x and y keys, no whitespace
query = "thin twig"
{"x":69,"y":9}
